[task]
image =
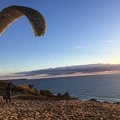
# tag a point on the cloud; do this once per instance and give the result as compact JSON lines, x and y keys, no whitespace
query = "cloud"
{"x":109,"y":41}
{"x":82,"y":47}
{"x":90,"y":69}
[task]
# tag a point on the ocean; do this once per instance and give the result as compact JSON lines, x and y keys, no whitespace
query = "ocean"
{"x":100,"y":87}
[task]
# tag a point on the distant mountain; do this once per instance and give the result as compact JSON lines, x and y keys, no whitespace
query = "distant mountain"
{"x":90,"y":68}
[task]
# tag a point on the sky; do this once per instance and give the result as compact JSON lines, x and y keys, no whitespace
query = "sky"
{"x":78,"y":32}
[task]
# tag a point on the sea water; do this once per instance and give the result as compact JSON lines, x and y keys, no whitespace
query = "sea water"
{"x":100,"y":87}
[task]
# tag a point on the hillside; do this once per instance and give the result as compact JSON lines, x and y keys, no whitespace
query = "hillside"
{"x":30,"y":92}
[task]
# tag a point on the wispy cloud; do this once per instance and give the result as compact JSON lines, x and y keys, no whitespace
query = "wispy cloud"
{"x":109,"y":41}
{"x":51,"y":57}
{"x":82,"y":47}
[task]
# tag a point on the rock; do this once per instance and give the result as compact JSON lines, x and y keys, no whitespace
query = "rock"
{"x":93,"y":100}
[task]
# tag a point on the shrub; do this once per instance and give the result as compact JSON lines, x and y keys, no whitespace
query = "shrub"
{"x":27,"y":89}
{"x":46,"y":93}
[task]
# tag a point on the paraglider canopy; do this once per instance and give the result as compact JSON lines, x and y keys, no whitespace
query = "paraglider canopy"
{"x":12,"y":13}
{"x":14,"y":53}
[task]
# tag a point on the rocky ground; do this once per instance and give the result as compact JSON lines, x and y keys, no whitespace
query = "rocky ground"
{"x":59,"y":110}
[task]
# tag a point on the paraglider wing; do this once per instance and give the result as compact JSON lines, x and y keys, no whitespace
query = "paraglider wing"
{"x":12,"y":13}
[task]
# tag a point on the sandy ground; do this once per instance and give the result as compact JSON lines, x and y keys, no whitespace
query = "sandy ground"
{"x":58,"y":110}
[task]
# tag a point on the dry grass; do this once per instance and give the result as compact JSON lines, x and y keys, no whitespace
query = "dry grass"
{"x":28,"y":89}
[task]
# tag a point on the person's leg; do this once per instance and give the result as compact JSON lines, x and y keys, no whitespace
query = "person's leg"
{"x":9,"y":97}
{"x":6,"y":99}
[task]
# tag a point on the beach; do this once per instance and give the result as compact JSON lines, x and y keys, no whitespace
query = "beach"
{"x":59,"y":110}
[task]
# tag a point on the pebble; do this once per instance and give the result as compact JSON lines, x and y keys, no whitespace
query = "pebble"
{"x":58,"y":110}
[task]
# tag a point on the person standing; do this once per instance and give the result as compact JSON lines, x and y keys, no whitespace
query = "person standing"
{"x":8,"y":92}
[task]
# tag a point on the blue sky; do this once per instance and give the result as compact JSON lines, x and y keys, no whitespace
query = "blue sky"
{"x":78,"y":32}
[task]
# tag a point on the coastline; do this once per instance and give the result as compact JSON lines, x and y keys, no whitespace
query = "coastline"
{"x":102,"y":88}
{"x":30,"y":104}
{"x":59,"y":110}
